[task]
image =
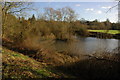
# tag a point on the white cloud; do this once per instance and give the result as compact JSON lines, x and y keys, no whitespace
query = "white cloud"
{"x":106,"y":7}
{"x":99,"y":12}
{"x":89,"y":9}
{"x":77,"y":5}
{"x":94,"y":11}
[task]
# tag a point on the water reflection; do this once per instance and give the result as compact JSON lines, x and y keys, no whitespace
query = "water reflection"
{"x":87,"y":45}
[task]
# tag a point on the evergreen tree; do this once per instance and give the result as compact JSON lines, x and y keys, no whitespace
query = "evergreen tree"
{"x":33,"y":19}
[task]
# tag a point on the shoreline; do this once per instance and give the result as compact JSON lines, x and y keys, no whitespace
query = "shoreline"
{"x":103,"y":35}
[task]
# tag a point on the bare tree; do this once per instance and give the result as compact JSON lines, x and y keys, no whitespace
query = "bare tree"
{"x":49,"y":13}
{"x":68,"y":14}
{"x":58,"y":15}
{"x":15,"y":8}
{"x":64,"y":14}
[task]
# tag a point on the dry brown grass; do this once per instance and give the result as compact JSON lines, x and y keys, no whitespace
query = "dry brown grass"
{"x":17,"y":65}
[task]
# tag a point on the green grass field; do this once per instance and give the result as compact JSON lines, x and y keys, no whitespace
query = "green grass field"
{"x":105,"y":31}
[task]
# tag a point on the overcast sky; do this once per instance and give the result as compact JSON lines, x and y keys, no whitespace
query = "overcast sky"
{"x":87,"y":10}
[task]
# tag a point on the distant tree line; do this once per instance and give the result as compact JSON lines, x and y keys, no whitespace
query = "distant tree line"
{"x":105,"y":25}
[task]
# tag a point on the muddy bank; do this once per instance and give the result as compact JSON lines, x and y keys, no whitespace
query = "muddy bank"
{"x":104,"y":35}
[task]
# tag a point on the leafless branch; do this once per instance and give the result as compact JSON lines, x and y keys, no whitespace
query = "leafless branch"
{"x":111,"y":8}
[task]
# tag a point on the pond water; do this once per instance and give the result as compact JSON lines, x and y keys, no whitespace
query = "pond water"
{"x":87,"y":45}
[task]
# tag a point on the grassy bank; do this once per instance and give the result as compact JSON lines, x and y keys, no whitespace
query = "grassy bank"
{"x":17,"y":65}
{"x":105,"y":31}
